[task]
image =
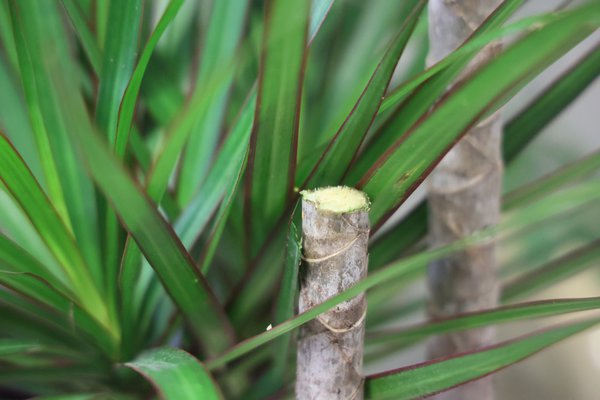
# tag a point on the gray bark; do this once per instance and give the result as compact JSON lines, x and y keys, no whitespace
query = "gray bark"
{"x":330,"y":347}
{"x":464,"y":197}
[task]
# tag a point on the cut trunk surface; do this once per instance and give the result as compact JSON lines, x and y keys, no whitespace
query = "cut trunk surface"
{"x":335,"y":232}
{"x":464,"y":197}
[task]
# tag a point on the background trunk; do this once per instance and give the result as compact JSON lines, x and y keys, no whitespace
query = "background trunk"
{"x":464,"y":197}
{"x":330,"y":347}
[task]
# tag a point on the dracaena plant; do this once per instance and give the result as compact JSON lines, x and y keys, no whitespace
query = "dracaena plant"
{"x":151,"y":159}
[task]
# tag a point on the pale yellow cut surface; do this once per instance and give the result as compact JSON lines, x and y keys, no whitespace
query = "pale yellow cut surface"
{"x":338,"y":199}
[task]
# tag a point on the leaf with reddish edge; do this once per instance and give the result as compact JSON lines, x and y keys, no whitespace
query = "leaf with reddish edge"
{"x":398,"y":172}
{"x":414,"y":98}
{"x":219,"y":47}
{"x":524,"y":127}
{"x":18,"y":180}
{"x":438,"y":375}
{"x":477,"y":319}
{"x":274,"y":139}
{"x":335,"y":159}
{"x":156,"y":239}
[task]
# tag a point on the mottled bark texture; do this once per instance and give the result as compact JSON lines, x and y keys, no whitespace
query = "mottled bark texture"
{"x":330,"y":348}
{"x":464,"y":197}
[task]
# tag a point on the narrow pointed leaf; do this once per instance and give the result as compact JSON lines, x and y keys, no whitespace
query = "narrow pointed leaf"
{"x":287,"y":300}
{"x":120,"y":47}
{"x":14,"y":346}
{"x":28,"y":194}
{"x":127,"y":106}
{"x":318,"y":13}
{"x":158,"y":242}
{"x":555,"y":271}
{"x":178,"y":134}
{"x":414,"y":98}
{"x":41,"y":45}
{"x":219,"y":48}
{"x":551,"y":182}
{"x":19,"y":229}
{"x":119,"y":56}
{"x":101,"y":20}
{"x":272,"y":159}
{"x":15,"y":259}
{"x":393,"y":243}
{"x":219,"y":188}
{"x":14,"y":121}
{"x":401,"y":169}
{"x":523,"y":127}
{"x":7,"y":38}
{"x":88,"y":41}
{"x":438,"y":375}
{"x":221,"y":179}
{"x":336,"y":158}
{"x":500,"y":315}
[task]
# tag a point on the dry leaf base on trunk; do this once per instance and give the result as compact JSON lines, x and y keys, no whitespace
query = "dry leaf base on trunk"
{"x":335,"y":229}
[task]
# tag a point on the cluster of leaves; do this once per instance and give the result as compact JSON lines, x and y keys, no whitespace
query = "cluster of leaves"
{"x":150,"y":160}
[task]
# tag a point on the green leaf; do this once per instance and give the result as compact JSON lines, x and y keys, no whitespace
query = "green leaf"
{"x":176,"y":375}
{"x":127,"y":106}
{"x":14,"y":121}
{"x":19,"y":320}
{"x":88,"y":396}
{"x":177,"y":135}
{"x":361,"y":33}
{"x":555,"y":271}
{"x":162,"y":94}
{"x":119,"y":56}
{"x":158,"y":242}
{"x":396,"y":241}
{"x":15,"y":346}
{"x":286,"y":301}
{"x":397,"y":173}
{"x":438,"y":375}
{"x":413,"y":99}
{"x":342,"y":148}
{"x":15,"y":259}
{"x":7,"y":38}
{"x":124,"y":128}
{"x":272,"y":158}
{"x":88,"y":41}
{"x":57,"y":307}
{"x":221,"y":179}
{"x":28,"y":194}
{"x":551,"y":182}
{"x":219,"y":48}
{"x":523,"y":127}
{"x":101,"y":21}
{"x":494,"y":316}
{"x":43,"y":55}
{"x":318,"y":12}
{"x":219,"y":188}
{"x":83,"y":374}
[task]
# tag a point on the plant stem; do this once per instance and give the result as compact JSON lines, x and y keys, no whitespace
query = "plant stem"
{"x":464,"y":197}
{"x":335,"y":230}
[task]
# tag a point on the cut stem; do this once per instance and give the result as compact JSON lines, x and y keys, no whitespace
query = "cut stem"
{"x":335,"y":232}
